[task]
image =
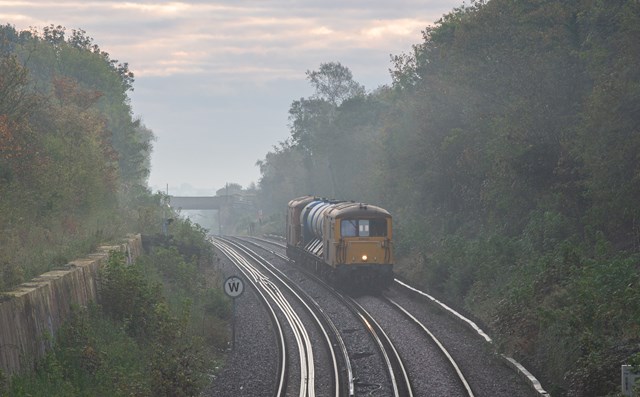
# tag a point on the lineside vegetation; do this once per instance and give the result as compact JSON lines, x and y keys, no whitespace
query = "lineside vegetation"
{"x":506,"y":148}
{"x":159,"y":330}
{"x":74,"y":163}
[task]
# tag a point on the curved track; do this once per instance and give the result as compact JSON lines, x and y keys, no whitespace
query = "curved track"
{"x":401,"y":384}
{"x":478,"y":370}
{"x":398,"y":376}
{"x":321,"y":322}
{"x":255,"y":278}
{"x":454,"y":365}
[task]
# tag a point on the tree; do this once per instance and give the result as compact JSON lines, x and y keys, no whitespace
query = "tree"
{"x":229,"y":188}
{"x":334,"y":83}
{"x":283,"y":177}
{"x":16,"y":101}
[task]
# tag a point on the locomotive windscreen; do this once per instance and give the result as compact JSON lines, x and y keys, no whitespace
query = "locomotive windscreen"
{"x":363,"y":228}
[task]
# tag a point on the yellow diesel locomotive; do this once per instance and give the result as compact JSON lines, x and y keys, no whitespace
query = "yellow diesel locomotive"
{"x":348,"y":243}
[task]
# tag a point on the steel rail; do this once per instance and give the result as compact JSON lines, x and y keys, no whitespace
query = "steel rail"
{"x":393,"y":361}
{"x":303,"y":342}
{"x":250,"y":276}
{"x":305,"y":351}
{"x":327,"y":320}
{"x":305,"y":300}
{"x":305,"y":348}
{"x":435,"y":340}
{"x":470,"y":323}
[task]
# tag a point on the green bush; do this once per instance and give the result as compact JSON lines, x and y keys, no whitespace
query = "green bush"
{"x":92,"y":356}
{"x":127,"y":296}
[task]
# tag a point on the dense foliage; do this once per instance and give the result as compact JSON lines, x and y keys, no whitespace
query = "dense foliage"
{"x":507,"y":149}
{"x":71,"y":152}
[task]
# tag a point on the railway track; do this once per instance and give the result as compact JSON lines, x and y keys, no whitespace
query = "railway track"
{"x":399,"y":383}
{"x":468,"y":376}
{"x":271,"y":281}
{"x":255,"y":278}
{"x":445,"y":352}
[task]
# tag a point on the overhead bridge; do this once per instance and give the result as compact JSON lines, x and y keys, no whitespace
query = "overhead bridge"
{"x":227,"y":206}
{"x":198,"y":203}
{"x":240,"y":201}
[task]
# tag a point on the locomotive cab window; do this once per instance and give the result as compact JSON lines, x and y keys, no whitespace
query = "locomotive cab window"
{"x":378,"y":227}
{"x":349,"y":228}
{"x":363,"y":228}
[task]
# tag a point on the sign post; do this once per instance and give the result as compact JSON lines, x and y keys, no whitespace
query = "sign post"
{"x":233,"y":287}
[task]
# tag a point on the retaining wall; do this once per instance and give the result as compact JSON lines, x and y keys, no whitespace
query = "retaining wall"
{"x":31,"y":314}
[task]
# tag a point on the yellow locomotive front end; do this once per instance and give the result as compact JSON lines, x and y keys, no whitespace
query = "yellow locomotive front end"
{"x":347,"y":243}
{"x":359,"y":245}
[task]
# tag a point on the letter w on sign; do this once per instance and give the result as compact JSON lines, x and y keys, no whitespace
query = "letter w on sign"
{"x":233,"y":286}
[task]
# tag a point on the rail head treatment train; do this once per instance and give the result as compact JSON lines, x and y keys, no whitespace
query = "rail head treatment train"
{"x":347,"y":243}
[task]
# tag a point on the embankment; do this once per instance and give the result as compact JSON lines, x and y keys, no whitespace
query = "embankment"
{"x":31,"y":314}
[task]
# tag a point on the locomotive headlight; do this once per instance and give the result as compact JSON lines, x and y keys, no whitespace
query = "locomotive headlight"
{"x":364,"y":258}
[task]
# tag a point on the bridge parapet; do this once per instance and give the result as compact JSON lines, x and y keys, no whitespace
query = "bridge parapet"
{"x":209,"y":202}
{"x":198,"y":203}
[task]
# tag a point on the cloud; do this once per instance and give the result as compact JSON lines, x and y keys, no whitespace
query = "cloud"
{"x":151,"y":35}
{"x":214,"y":79}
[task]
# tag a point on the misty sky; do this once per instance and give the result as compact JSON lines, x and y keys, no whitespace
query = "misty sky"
{"x":214,"y":79}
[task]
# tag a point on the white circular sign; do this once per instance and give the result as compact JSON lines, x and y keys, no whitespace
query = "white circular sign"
{"x":233,"y":286}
